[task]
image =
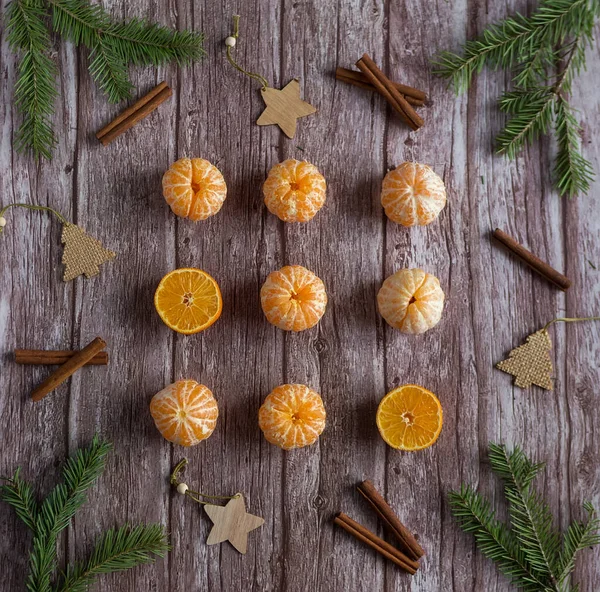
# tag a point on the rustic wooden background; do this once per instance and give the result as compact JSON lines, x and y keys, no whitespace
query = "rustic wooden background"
{"x":352,"y":358}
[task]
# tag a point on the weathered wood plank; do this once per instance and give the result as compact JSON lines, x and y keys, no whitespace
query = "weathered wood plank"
{"x":352,"y":358}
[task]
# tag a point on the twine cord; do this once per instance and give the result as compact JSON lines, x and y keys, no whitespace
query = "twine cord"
{"x":32,"y":207}
{"x":235,"y":35}
{"x":570,"y":320}
{"x":195,"y":495}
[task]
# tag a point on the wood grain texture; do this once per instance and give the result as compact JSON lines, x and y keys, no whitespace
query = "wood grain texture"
{"x":352,"y":357}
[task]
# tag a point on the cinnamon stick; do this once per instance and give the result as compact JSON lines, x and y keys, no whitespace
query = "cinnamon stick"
{"x":412,"y":95}
{"x":557,"y":278}
{"x":55,"y":357}
{"x":78,"y":360}
{"x":384,"y":548}
{"x":385,"y":88}
{"x":140,"y":109}
{"x":404,"y":536}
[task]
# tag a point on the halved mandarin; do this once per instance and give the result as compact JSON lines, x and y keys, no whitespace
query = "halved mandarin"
{"x":188,"y":300}
{"x":194,"y":188}
{"x":292,"y":416}
{"x":410,"y":418}
{"x":294,"y":191}
{"x":293,"y":298}
{"x":413,"y":194}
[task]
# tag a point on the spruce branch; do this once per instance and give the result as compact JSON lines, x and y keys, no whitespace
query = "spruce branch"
{"x":56,"y":511}
{"x":19,"y":494}
{"x":530,"y":516}
{"x":494,"y":539}
{"x":578,"y":537}
{"x":113,"y":47}
{"x":35,"y":88}
{"x":546,"y":51}
{"x":572,"y":172}
{"x":514,"y":40}
{"x":117,"y":550}
{"x":528,"y":550}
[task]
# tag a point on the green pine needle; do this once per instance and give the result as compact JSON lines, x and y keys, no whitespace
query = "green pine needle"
{"x":552,"y":40}
{"x":529,"y":550}
{"x":113,"y":47}
{"x":117,"y":550}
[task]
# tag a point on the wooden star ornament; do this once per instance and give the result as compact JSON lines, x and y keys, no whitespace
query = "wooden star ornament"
{"x":232,"y":523}
{"x":284,"y":107}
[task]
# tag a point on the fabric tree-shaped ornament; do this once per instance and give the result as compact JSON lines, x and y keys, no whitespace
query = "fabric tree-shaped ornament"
{"x":83,"y":254}
{"x":530,"y":363}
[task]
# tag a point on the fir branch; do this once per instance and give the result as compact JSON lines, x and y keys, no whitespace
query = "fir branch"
{"x":19,"y":494}
{"x":530,"y":516}
{"x":494,"y":539}
{"x":515,"y":39}
{"x":136,"y":41}
{"x":35,"y":88}
{"x":109,"y":72}
{"x":572,"y":172}
{"x":117,"y":550}
{"x":79,"y":473}
{"x":554,"y":39}
{"x":533,"y":114}
{"x":578,"y":537}
{"x":528,"y":551}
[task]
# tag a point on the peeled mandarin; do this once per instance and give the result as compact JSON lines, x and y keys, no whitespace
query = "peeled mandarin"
{"x":413,"y":194}
{"x":292,"y":416}
{"x":410,"y":418}
{"x":294,"y":191}
{"x":194,"y":188}
{"x":411,"y":300}
{"x":185,"y":412}
{"x":293,"y":298}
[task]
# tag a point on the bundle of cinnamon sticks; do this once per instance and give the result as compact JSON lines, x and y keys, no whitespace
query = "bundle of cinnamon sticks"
{"x":408,"y":555}
{"x":401,"y":97}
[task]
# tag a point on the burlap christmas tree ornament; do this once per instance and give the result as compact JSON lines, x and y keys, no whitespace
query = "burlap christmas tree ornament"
{"x":82,"y":254}
{"x":531,"y":363}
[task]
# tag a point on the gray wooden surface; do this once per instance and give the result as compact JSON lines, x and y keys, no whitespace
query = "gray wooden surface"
{"x":352,"y":358}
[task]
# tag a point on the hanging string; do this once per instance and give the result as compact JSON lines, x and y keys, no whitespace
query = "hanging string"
{"x":230,"y":43}
{"x":29,"y":207}
{"x":571,"y":320}
{"x":185,"y":490}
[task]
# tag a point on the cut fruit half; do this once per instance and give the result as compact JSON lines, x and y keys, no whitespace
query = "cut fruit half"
{"x":188,"y":300}
{"x":410,"y":418}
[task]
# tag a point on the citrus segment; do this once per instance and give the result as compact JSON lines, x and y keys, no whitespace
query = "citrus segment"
{"x":294,"y":191}
{"x":411,"y":300}
{"x":413,"y":194}
{"x":410,"y":418}
{"x":293,"y":298}
{"x":292,"y":416}
{"x":188,"y":300}
{"x":194,"y":188}
{"x":185,"y":412}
